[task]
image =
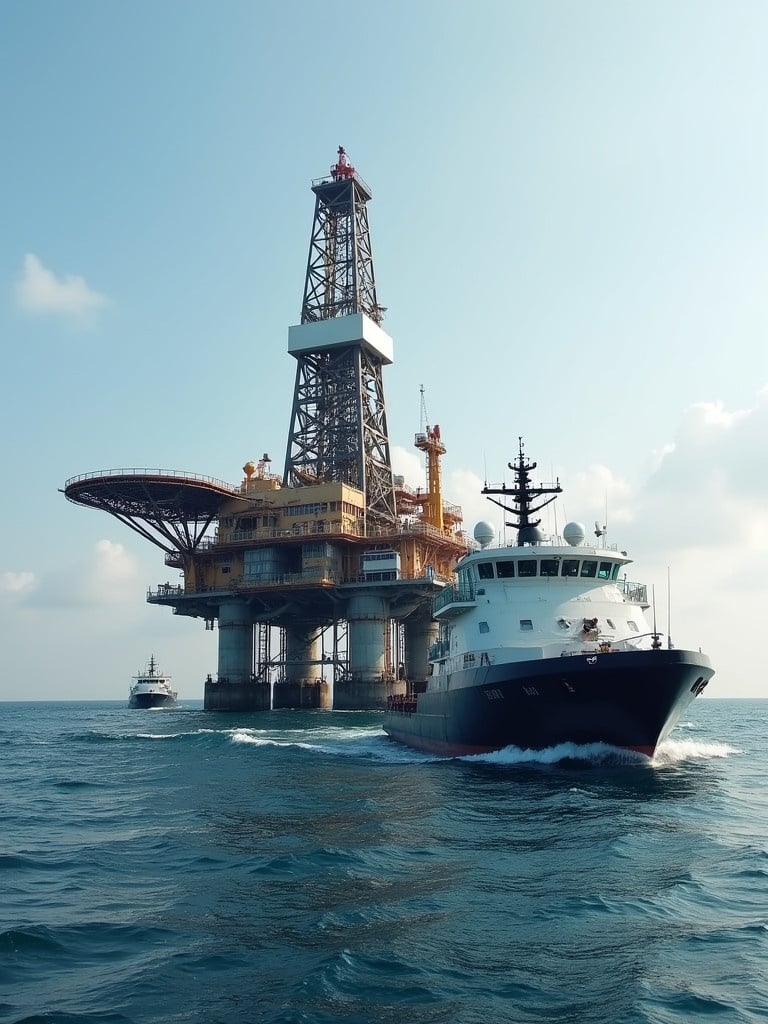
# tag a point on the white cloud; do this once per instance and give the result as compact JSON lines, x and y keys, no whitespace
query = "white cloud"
{"x":409,"y":465}
{"x":463,"y":487}
{"x":17,"y":582}
{"x":40,"y":291}
{"x":597,"y":493}
{"x":708,"y":489}
{"x":109,"y":576}
{"x":112,"y":562}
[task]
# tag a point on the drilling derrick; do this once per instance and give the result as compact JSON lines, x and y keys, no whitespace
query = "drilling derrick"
{"x":319,"y":580}
{"x":338,"y":431}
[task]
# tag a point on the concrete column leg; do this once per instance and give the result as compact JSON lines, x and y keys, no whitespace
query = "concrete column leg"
{"x":303,"y":685}
{"x":369,"y":682}
{"x":235,"y":689}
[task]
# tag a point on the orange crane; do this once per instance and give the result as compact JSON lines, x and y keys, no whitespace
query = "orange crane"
{"x":428,"y":440}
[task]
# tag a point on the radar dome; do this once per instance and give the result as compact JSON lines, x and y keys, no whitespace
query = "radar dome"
{"x":529,"y":535}
{"x":249,"y":469}
{"x":484,"y":534}
{"x":574,"y":534}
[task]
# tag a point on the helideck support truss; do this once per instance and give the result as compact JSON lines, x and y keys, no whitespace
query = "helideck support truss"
{"x":171,"y":509}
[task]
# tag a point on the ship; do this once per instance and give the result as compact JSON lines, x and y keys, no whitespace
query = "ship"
{"x":545,"y":642}
{"x":152,"y":689}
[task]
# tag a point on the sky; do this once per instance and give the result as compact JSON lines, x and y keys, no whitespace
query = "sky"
{"x":569,"y":228}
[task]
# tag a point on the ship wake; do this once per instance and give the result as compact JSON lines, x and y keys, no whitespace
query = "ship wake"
{"x":602,"y":754}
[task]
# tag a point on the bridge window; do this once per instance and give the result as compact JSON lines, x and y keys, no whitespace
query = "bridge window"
{"x":526,"y":567}
{"x":485,"y":570}
{"x":505,"y":570}
{"x":526,"y":624}
{"x":570,"y":567}
{"x":604,"y":572}
{"x":588,"y":568}
{"x":549,"y":566}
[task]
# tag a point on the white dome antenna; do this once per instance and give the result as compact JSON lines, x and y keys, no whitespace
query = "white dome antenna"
{"x":574,"y":534}
{"x":484,"y":534}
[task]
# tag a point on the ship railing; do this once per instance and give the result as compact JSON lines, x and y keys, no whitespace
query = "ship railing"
{"x":637,"y":593}
{"x":608,"y":645}
{"x":405,"y":703}
{"x":439,"y":649}
{"x":463,"y":593}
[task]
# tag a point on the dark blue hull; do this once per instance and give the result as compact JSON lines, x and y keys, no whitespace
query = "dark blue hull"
{"x":151,"y":700}
{"x":624,"y":699}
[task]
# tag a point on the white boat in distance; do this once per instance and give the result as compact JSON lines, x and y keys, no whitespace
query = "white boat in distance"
{"x":152,"y":689}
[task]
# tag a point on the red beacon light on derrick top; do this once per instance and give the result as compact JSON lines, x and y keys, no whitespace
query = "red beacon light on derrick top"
{"x":343,"y":169}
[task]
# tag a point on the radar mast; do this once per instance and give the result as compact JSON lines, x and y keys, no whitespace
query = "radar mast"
{"x":522,"y":497}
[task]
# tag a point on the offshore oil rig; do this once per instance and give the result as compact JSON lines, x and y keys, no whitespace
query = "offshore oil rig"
{"x":320,"y":580}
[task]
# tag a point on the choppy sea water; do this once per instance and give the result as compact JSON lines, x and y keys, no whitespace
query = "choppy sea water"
{"x":176,"y":865}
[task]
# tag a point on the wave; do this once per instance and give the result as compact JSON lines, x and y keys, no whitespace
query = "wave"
{"x":175,"y":735}
{"x":103,"y":939}
{"x":367,"y":742}
{"x":587,"y":753}
{"x":668,"y":752}
{"x":122,"y":737}
{"x":62,"y":1017}
{"x":77,"y":784}
{"x":673,"y":751}
{"x":23,"y":862}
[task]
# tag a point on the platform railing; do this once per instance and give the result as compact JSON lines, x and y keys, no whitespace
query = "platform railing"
{"x":176,"y":474}
{"x":311,"y":577}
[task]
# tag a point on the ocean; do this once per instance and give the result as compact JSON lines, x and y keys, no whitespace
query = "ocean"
{"x":299,"y":867}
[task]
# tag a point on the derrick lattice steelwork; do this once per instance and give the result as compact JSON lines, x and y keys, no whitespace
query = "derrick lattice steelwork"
{"x":338,"y":429}
{"x":340,"y":278}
